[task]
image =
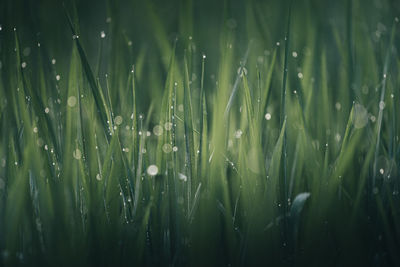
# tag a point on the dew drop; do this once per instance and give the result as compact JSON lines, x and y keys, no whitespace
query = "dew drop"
{"x":268,"y":116}
{"x":167,"y":148}
{"x":242,"y":71}
{"x":27,"y":51}
{"x":71,"y":101}
{"x":238,"y":133}
{"x":182,"y":177}
{"x":77,"y":154}
{"x":168,"y":126}
{"x":381,"y":105}
{"x":118,"y":120}
{"x":152,"y":170}
{"x":338,"y":137}
{"x":360,"y":116}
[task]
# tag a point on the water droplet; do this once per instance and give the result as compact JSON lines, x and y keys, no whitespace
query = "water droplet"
{"x":35,"y":129}
{"x":294,"y":54}
{"x":27,"y":51}
{"x":23,"y":65}
{"x":167,"y":148}
{"x":372,"y":118}
{"x":129,"y":43}
{"x":381,"y":105}
{"x":360,"y":116}
{"x":58,"y":77}
{"x":204,"y":56}
{"x":168,"y":126}
{"x":338,"y":137}
{"x":175,"y":148}
{"x":238,"y":133}
{"x":300,"y":75}
{"x":118,"y":120}
{"x":98,"y":177}
{"x":242,"y":71}
{"x":46,"y":110}
{"x":102,"y":34}
{"x":152,"y":170}
{"x":338,"y":106}
{"x":268,"y":116}
{"x":182,"y":177}
{"x":381,"y":171}
{"x":71,"y":101}
{"x":278,"y":43}
{"x":77,"y":154}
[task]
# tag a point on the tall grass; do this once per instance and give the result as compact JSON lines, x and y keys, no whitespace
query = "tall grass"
{"x":260,"y":133}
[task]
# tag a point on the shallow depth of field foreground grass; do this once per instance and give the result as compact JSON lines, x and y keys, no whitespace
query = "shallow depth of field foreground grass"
{"x":199,"y":133}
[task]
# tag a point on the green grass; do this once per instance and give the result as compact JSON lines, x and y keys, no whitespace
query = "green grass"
{"x":239,"y":133}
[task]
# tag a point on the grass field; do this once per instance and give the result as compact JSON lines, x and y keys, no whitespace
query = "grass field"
{"x":199,"y":133}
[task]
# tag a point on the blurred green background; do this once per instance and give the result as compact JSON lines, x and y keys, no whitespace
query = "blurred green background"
{"x":300,"y":168}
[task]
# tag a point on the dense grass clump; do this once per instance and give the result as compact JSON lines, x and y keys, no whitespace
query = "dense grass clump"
{"x":199,"y":133}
